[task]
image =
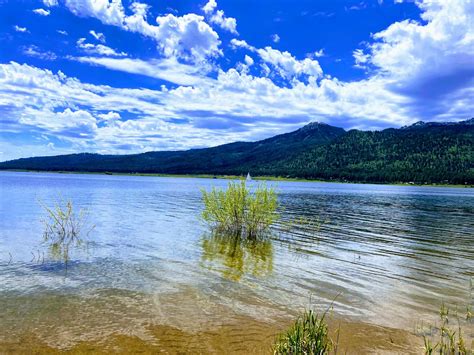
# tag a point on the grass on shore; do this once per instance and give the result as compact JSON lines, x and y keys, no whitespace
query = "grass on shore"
{"x":308,"y":335}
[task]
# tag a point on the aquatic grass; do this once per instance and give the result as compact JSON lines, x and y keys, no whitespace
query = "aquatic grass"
{"x":448,"y":338}
{"x":239,"y":210}
{"x":308,"y":335}
{"x":64,"y":228}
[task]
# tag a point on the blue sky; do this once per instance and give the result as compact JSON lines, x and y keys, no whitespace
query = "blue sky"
{"x":120,"y":77}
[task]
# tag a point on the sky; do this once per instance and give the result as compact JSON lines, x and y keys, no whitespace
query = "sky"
{"x":123,"y":77}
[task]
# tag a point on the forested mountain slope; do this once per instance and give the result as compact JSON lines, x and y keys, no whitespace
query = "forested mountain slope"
{"x":423,"y":152}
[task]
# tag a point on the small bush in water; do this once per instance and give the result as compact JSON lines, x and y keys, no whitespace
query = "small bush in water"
{"x":308,"y":335}
{"x":64,"y":228}
{"x":240,"y":211}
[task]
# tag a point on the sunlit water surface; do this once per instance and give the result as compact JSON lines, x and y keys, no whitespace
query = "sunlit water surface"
{"x":386,"y":255}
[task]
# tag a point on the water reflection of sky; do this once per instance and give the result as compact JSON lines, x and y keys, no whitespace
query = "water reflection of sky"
{"x":392,"y":253}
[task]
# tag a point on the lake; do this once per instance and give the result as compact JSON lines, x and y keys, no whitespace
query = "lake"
{"x":152,"y":276}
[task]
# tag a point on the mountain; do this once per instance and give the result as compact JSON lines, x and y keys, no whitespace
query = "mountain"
{"x":234,"y":158}
{"x":422,"y":153}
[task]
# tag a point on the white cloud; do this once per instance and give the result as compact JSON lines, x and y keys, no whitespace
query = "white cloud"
{"x":319,"y":54}
{"x":418,"y":71}
{"x":275,"y":38}
{"x":360,"y":58}
{"x":283,"y":63}
{"x":62,"y":32}
{"x":111,"y":115}
{"x":217,"y":17}
{"x":99,"y":49}
{"x":98,"y":36}
{"x":187,"y":37}
{"x":242,"y":106}
{"x":34,"y":51}
{"x":432,"y":60}
{"x":42,"y":12}
{"x":240,"y":43}
{"x":70,"y":123}
{"x":210,"y":6}
{"x":248,"y":60}
{"x":108,"y":12}
{"x":139,"y":9}
{"x":165,"y":69}
{"x":20,"y":29}
{"x":50,"y":3}
{"x":288,"y":66}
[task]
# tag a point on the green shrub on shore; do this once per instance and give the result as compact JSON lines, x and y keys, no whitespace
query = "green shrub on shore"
{"x":238,"y":210}
{"x":308,"y":335}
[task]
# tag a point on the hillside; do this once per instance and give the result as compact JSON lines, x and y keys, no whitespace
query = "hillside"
{"x":423,"y":152}
{"x":418,"y":153}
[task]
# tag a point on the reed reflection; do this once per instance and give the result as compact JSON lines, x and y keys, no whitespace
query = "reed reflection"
{"x":234,"y":256}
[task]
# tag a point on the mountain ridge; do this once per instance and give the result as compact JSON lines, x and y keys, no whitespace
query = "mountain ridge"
{"x":440,"y":152}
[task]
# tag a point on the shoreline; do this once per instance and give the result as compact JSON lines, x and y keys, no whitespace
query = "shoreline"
{"x":235,"y":177}
{"x":258,"y":338}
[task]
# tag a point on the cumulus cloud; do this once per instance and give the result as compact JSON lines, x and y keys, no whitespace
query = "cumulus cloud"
{"x":360,"y":58}
{"x":99,"y":49}
{"x":284,"y":64}
{"x":42,"y":12}
{"x":217,"y":17}
{"x":187,"y":37}
{"x":275,"y":38}
{"x":418,"y":70}
{"x":288,"y":66}
{"x":108,"y":12}
{"x":110,"y":118}
{"x":210,"y":6}
{"x":67,"y":123}
{"x":227,"y":23}
{"x":432,"y":60}
{"x":240,"y":43}
{"x":233,"y":99}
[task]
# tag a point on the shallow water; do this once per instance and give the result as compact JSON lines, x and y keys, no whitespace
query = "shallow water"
{"x":386,"y":255}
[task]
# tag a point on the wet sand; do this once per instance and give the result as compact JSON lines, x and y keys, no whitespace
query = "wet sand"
{"x":241,"y":336}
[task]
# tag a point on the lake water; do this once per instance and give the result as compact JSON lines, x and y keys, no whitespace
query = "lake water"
{"x":387,"y":256}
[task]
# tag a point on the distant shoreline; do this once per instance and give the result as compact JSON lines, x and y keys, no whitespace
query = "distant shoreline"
{"x":233,"y":177}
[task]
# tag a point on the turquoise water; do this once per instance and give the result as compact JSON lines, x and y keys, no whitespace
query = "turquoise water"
{"x":390,"y":254}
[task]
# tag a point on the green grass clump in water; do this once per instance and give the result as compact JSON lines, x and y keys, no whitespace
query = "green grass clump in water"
{"x":64,"y":229}
{"x":308,"y":335}
{"x":240,"y":211}
{"x":448,"y":338}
